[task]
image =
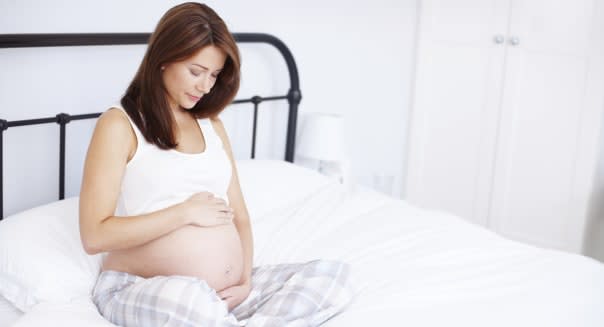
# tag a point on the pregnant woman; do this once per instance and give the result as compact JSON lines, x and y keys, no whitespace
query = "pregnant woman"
{"x":160,"y":195}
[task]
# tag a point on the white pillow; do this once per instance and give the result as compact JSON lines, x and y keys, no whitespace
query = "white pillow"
{"x":42,"y":258}
{"x":270,"y":185}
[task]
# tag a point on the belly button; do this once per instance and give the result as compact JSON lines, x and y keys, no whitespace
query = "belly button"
{"x":228,"y":269}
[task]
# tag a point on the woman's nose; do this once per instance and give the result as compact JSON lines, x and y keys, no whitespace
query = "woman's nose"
{"x":204,"y":85}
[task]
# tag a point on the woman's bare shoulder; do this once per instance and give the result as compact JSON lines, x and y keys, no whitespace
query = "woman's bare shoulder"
{"x":221,"y":132}
{"x":217,"y":122}
{"x":219,"y":128}
{"x":114,"y":120}
{"x":113,"y":127}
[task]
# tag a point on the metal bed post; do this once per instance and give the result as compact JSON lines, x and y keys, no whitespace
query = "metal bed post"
{"x":62,"y":119}
{"x":255,"y":100}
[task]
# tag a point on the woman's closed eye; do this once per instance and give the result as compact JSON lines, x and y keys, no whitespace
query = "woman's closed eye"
{"x":197,"y":73}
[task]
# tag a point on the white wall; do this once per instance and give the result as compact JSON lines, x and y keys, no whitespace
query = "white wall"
{"x":354,"y":57}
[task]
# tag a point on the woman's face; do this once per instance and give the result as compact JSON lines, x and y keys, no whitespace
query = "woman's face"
{"x":188,"y":80}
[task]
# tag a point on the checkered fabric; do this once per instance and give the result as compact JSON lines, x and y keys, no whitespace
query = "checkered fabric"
{"x":301,"y":294}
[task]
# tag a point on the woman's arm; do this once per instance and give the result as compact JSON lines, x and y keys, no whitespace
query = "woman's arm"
{"x":236,"y":201}
{"x":112,"y":143}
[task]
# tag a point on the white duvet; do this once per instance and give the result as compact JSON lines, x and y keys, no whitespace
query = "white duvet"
{"x":417,"y":267}
{"x":411,"y":267}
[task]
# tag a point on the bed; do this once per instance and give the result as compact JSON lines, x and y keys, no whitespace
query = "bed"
{"x":410,"y":266}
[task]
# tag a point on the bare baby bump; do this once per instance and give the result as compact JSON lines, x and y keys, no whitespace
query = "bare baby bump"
{"x":213,"y":254}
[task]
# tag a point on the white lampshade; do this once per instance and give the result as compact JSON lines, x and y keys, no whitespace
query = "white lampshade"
{"x":321,"y":137}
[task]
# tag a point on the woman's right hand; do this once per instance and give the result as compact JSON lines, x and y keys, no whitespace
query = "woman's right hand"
{"x":204,"y":209}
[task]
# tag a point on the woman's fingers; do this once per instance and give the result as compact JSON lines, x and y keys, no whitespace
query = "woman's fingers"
{"x":224,"y":213}
{"x":224,"y":208}
{"x":219,"y":201}
{"x":228,"y":216}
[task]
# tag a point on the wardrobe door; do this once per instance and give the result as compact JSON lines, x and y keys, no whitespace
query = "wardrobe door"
{"x":454,"y":114}
{"x":549,"y":123}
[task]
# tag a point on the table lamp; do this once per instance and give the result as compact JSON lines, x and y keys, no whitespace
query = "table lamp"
{"x":322,"y":139}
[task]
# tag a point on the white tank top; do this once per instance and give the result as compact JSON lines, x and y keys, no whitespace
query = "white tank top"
{"x":155,"y":179}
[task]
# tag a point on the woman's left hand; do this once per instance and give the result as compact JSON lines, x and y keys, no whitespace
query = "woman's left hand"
{"x":234,"y":295}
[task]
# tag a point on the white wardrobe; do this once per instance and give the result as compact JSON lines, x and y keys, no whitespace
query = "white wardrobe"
{"x":506,"y":114}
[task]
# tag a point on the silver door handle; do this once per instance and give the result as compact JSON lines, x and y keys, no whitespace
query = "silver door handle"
{"x":499,"y":39}
{"x":514,"y":41}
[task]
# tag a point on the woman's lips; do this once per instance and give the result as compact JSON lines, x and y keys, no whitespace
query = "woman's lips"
{"x":193,"y":98}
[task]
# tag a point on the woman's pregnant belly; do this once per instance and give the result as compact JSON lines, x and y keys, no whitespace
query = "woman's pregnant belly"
{"x":213,"y":254}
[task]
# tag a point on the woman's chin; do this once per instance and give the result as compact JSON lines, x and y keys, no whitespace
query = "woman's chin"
{"x":187,"y":107}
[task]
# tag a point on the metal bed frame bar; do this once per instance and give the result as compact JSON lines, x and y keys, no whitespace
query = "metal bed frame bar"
{"x":293,"y":96}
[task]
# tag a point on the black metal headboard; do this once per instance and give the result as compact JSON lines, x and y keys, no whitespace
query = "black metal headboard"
{"x":293,"y":96}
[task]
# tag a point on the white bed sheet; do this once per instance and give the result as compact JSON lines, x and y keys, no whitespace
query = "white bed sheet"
{"x":411,"y":267}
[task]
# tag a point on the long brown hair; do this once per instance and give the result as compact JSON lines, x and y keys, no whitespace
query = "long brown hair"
{"x":180,"y":33}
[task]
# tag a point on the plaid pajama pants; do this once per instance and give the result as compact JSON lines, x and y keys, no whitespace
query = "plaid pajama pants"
{"x":301,"y":294}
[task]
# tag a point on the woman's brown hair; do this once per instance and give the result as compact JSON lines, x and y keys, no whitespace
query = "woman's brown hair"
{"x":180,"y":33}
